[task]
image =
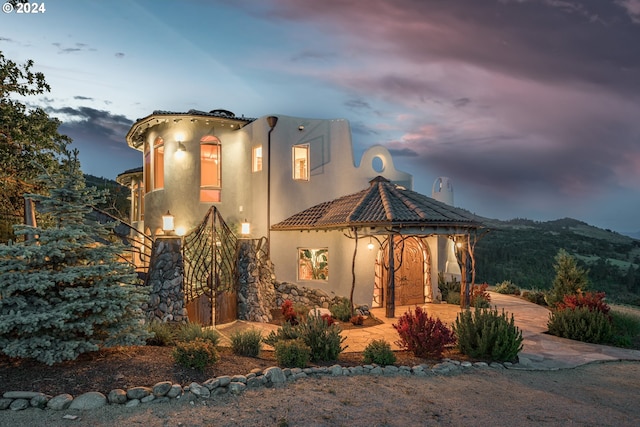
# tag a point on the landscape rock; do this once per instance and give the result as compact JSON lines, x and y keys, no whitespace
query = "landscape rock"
{"x":90,"y":400}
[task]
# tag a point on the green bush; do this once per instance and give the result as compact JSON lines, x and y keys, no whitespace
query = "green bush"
{"x":191,"y":331}
{"x":535,"y":296}
{"x":626,"y":329}
{"x":423,"y":335}
{"x":581,"y":324}
{"x":292,"y":353}
{"x":507,"y":288}
{"x":323,"y":339}
{"x":246,"y":343}
{"x":448,"y":288}
{"x":285,"y":332}
{"x":453,"y":298}
{"x":341,"y":310}
{"x":162,"y":334}
{"x":198,"y":354}
{"x":485,"y":334}
{"x":379,"y":352}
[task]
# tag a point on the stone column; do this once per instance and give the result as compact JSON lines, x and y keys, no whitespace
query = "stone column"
{"x":256,"y":291}
{"x":166,"y":272}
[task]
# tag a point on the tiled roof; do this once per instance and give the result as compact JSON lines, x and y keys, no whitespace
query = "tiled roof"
{"x":383,"y":204}
{"x":223,"y":114}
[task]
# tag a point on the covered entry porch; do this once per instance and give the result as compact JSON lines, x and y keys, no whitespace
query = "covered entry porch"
{"x":415,"y":238}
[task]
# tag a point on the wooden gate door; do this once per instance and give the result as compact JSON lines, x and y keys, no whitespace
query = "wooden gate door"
{"x":226,"y":306}
{"x":409,"y":276}
{"x":199,"y":310}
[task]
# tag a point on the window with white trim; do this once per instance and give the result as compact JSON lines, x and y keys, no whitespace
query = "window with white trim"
{"x":300,"y":155}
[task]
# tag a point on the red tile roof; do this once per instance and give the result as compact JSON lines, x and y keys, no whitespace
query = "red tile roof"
{"x":383,"y":204}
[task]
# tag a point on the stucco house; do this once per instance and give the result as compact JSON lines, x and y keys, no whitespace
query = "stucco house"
{"x":330,"y":220}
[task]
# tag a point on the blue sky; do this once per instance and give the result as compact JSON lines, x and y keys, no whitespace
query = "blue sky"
{"x":530,"y":107}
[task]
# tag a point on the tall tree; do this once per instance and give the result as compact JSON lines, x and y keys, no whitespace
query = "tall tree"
{"x":29,"y":140}
{"x":570,"y":278}
{"x":65,"y":291}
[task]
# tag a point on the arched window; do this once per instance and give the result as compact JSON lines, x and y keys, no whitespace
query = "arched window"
{"x":210,"y":171}
{"x":158,"y":163}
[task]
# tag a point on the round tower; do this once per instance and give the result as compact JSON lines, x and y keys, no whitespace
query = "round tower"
{"x":442,"y":190}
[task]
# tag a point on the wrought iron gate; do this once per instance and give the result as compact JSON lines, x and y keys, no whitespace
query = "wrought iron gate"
{"x":209,"y":253}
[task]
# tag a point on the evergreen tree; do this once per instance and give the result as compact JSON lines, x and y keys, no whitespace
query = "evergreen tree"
{"x":64,"y":292}
{"x":570,"y":278}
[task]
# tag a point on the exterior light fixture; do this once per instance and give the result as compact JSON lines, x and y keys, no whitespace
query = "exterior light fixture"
{"x":370,"y":245}
{"x":180,"y":151}
{"x":181,"y":231}
{"x":167,"y":223}
{"x":245,"y":228}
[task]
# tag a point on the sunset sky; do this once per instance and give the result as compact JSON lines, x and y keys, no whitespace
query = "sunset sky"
{"x":530,"y":107}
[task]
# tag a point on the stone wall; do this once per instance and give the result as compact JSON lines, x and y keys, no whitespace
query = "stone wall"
{"x":312,"y":298}
{"x":166,"y":298}
{"x":256,"y":292}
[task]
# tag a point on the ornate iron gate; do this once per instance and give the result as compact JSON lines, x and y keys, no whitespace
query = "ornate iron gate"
{"x":209,"y":253}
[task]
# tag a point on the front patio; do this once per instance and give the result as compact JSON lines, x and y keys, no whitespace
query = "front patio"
{"x":541,"y":351}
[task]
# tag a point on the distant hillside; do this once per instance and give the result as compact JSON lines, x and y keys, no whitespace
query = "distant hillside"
{"x":635,"y":235}
{"x":117,"y":203}
{"x":523,"y":251}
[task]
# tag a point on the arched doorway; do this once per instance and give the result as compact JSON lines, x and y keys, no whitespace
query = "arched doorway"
{"x":412,"y":265}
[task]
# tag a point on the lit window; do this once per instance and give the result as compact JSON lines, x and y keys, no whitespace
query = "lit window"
{"x":313,"y":264}
{"x":256,"y":161}
{"x":301,"y":162}
{"x":158,"y":163}
{"x":210,"y":172}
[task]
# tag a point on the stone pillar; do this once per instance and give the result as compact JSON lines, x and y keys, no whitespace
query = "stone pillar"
{"x":256,"y":291}
{"x":166,"y":272}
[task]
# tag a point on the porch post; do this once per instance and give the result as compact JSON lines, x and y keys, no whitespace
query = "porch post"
{"x":465,"y":297}
{"x":391,"y":291}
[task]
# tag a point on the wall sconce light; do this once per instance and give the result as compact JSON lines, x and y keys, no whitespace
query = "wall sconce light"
{"x":245,"y":228}
{"x":181,"y":231}
{"x":370,"y":245}
{"x":180,"y":151}
{"x":167,"y":223}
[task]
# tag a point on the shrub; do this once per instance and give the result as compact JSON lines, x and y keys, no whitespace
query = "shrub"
{"x":581,"y":324}
{"x":246,"y":343}
{"x":453,"y":298}
{"x":423,"y":335}
{"x":535,"y":296}
{"x":292,"y":353}
{"x":162,"y":334}
{"x":591,"y":300}
{"x":198,"y":354}
{"x":508,"y":288}
{"x":448,"y":288}
{"x":285,"y":332}
{"x":191,"y":331}
{"x":323,"y":339}
{"x":357,"y":320}
{"x":289,"y":313}
{"x":485,"y":334}
{"x":329,"y":319}
{"x":626,"y":329}
{"x":341,"y":310}
{"x":479,"y":296}
{"x":379,"y":352}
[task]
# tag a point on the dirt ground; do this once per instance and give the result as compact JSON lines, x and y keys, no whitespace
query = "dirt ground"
{"x":591,"y":395}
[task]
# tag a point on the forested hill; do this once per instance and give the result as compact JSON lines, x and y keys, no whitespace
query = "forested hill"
{"x":523,"y":251}
{"x":117,"y":201}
